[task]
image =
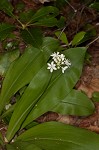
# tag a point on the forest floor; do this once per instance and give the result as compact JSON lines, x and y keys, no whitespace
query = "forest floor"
{"x":89,"y":81}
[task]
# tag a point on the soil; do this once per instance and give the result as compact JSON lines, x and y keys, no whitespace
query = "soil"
{"x":89,"y":81}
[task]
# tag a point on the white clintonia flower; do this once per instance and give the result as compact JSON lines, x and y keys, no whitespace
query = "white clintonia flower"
{"x":62,"y":56}
{"x":64,"y":68}
{"x":51,"y":66}
{"x":7,"y":106}
{"x":67,"y":62}
{"x":59,"y":62}
{"x":55,"y":57}
{"x":55,"y":54}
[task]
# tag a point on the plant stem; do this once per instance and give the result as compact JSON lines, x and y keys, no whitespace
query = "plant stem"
{"x":93,"y":41}
{"x":71,"y":6}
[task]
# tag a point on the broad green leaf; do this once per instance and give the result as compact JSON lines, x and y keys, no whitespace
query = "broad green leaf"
{"x":58,"y":136}
{"x":62,"y":36}
{"x":31,"y":95}
{"x":95,"y":6}
{"x":23,"y":69}
{"x":6,"y":6}
{"x":32,"y":124}
{"x":18,"y":75}
{"x":6,"y":59}
{"x":75,"y":103}
{"x":22,"y":146}
{"x":78,"y":37}
{"x":33,"y":36}
{"x":44,"y":13}
{"x":25,"y":16}
{"x":5,"y":30}
{"x":60,"y":86}
{"x":49,"y":22}
{"x":58,"y":89}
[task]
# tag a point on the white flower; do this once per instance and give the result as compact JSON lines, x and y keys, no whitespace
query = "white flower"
{"x":7,"y":106}
{"x":67,"y":62}
{"x":51,"y":66}
{"x":59,"y":62}
{"x":55,"y":57}
{"x":62,"y":56}
{"x":64,"y":68}
{"x":55,"y":54}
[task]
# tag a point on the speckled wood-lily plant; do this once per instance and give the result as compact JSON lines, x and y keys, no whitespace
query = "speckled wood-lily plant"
{"x":44,"y":77}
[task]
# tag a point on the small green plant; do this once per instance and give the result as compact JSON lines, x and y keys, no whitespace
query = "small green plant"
{"x":44,"y":77}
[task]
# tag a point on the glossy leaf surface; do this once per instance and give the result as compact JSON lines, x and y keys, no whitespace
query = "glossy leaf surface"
{"x":33,"y":37}
{"x":25,"y":16}
{"x":23,"y":146}
{"x":6,"y":59}
{"x":60,"y":86}
{"x":75,"y":103}
{"x":22,"y":70}
{"x":78,"y":37}
{"x":49,"y":22}
{"x":31,"y":95}
{"x":45,"y":13}
{"x":62,"y":36}
{"x":5,"y":29}
{"x":57,"y":136}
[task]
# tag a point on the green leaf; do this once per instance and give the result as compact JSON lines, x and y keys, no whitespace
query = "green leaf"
{"x":22,"y":146}
{"x":32,"y":124}
{"x":31,"y":95}
{"x":23,"y":69}
{"x":52,"y":96}
{"x":76,"y":103}
{"x":43,"y":14}
{"x":58,"y":136}
{"x":58,"y":89}
{"x":6,"y":59}
{"x":5,"y":30}
{"x":43,"y":17}
{"x":25,"y":16}
{"x":95,"y":96}
{"x":60,"y":86}
{"x":95,"y":6}
{"x":62,"y":36}
{"x":6,"y":6}
{"x":78,"y":37}
{"x":49,"y":22}
{"x":8,"y":112}
{"x":17,"y":78}
{"x":33,"y":36}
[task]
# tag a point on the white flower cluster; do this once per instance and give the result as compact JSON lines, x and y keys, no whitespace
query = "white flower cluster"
{"x":58,"y":62}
